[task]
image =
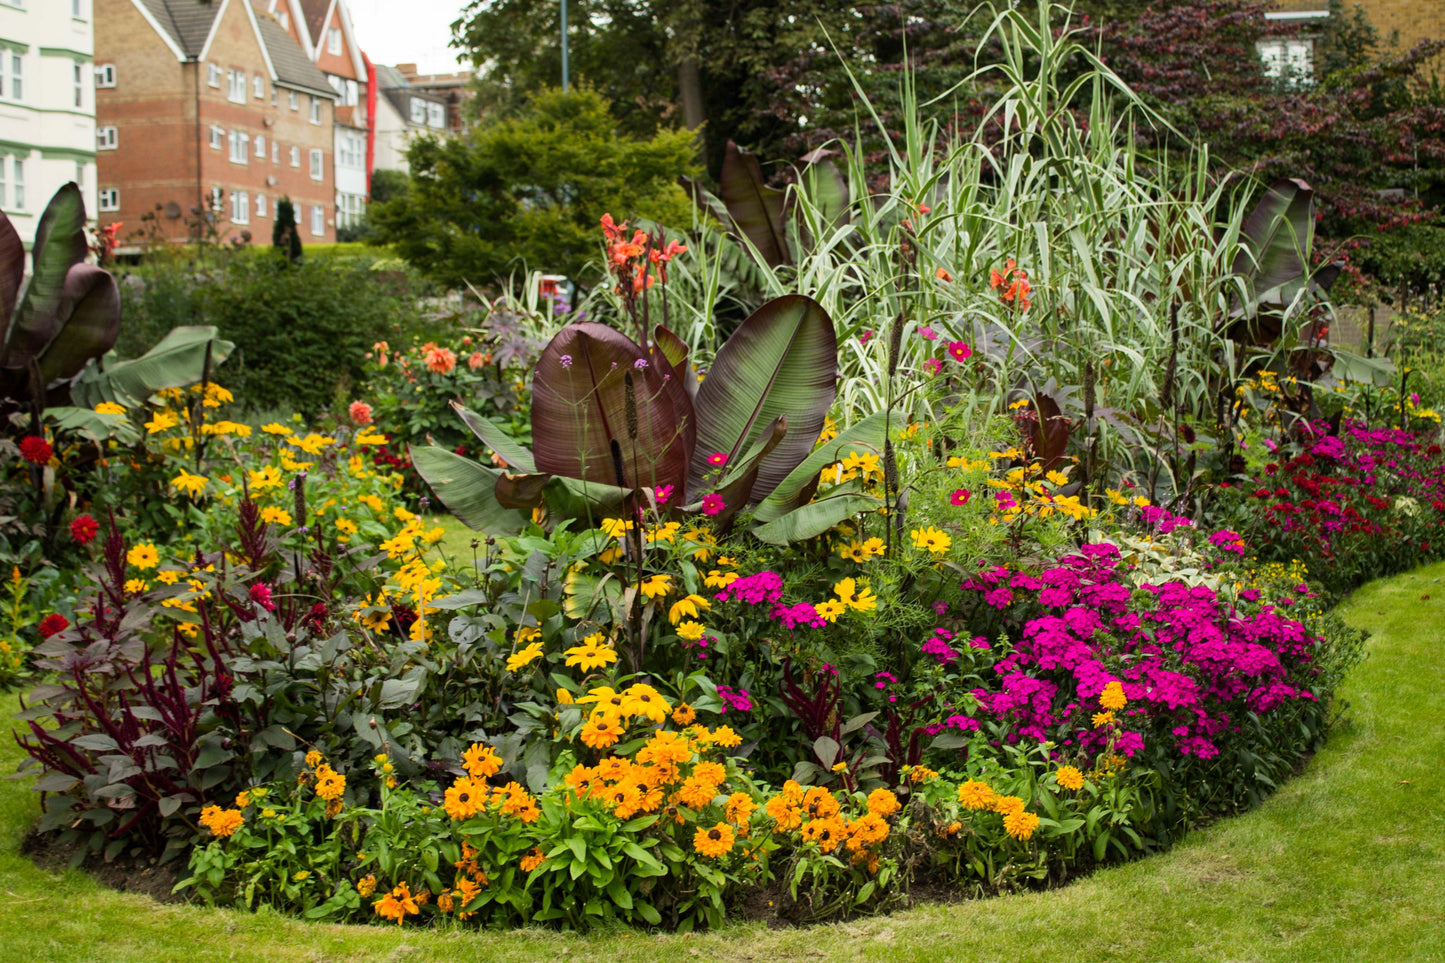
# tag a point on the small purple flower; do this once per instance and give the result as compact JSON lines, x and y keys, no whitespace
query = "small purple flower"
{"x":565,"y":361}
{"x":940,"y":607}
{"x":639,"y":364}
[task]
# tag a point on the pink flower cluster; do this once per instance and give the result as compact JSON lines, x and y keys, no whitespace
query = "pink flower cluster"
{"x":754,"y":589}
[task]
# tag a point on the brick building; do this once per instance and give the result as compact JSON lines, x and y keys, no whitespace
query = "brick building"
{"x":1401,"y":22}
{"x":209,"y":109}
{"x":452,"y":89}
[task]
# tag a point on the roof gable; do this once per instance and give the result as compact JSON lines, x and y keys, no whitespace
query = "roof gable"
{"x":186,"y":24}
{"x":289,"y":62}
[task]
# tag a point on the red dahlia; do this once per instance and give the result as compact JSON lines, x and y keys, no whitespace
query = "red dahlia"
{"x":84,"y":529}
{"x":36,"y":450}
{"x":53,"y":623}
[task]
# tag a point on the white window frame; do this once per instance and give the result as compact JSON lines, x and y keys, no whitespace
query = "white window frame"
{"x":107,"y":138}
{"x":293,"y":99}
{"x":1291,"y":54}
{"x":318,"y":165}
{"x":436,"y":116}
{"x":240,"y":147}
{"x":260,"y":205}
{"x":14,"y":90}
{"x":318,"y":221}
{"x":213,"y":76}
{"x":333,"y":41}
{"x":218,"y":137}
{"x":315,"y":110}
{"x":217,"y":199}
{"x":275,"y":151}
{"x":77,"y":9}
{"x":240,"y":207}
{"x":3,"y":181}
{"x":353,"y":93}
{"x":258,"y":87}
{"x":260,"y":146}
{"x":78,"y":77}
{"x":105,"y":75}
{"x":108,"y":199}
{"x":418,"y":110}
{"x":295,"y":157}
{"x":236,"y":86}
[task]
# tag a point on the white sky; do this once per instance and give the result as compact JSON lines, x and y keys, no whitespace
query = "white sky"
{"x":407,"y":31}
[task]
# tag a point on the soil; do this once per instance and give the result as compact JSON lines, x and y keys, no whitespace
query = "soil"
{"x":145,"y":875}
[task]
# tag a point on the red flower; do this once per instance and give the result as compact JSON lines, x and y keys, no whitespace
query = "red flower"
{"x":53,"y":623}
{"x":960,"y":496}
{"x":36,"y":450}
{"x":84,"y":529}
{"x":959,"y":351}
{"x":717,"y":459}
{"x":712,"y":504}
{"x":360,"y":412}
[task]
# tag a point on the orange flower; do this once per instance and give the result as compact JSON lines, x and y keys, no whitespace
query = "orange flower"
{"x":439,"y":360}
{"x":397,"y":904}
{"x":714,"y":842}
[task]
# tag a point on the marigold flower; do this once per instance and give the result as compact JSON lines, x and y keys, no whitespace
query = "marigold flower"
{"x":1007,"y":804}
{"x":221,"y":822}
{"x":1070,"y":778}
{"x":397,"y":905}
{"x":882,"y":802}
{"x":366,"y":885}
{"x":866,"y":831}
{"x":819,"y":803}
{"x":739,"y":809}
{"x":1020,"y":824}
{"x":714,"y":842}
{"x":330,"y":784}
{"x":828,"y":832}
{"x":725,"y":737}
{"x":83,"y":529}
{"x":1112,"y":698}
{"x":976,"y":795}
{"x":533,"y":859}
{"x":684,"y":714}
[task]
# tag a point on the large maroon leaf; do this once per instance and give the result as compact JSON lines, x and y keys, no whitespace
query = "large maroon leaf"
{"x":89,"y":316}
{"x":59,"y":244}
{"x":782,"y":361}
{"x":579,"y":410}
{"x":12,"y":271}
{"x":755,"y":208}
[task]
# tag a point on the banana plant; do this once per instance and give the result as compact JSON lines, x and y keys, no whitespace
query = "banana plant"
{"x":67,"y":313}
{"x":611,"y":417}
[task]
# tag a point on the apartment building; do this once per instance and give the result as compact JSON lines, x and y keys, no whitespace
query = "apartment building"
{"x":208,"y":112}
{"x":402,"y":114}
{"x":47,"y":106}
{"x":1402,"y":22}
{"x":453,"y":89}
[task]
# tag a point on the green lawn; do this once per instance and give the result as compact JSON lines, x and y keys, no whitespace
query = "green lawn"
{"x":1346,"y":862}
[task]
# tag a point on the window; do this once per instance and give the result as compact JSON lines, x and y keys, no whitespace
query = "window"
{"x":295,"y":100}
{"x":352,"y":93}
{"x":239,"y":144}
{"x":236,"y":86}
{"x":295,"y":157}
{"x":18,"y":183}
{"x":333,"y":40}
{"x":240,"y":207}
{"x":350,"y":150}
{"x":349,"y":208}
{"x":1289,"y":61}
{"x":3,"y":159}
{"x":261,"y":146}
{"x":436,"y":115}
{"x":315,"y":109}
{"x":317,"y":172}
{"x":260,"y":205}
{"x":215,"y":200}
{"x":418,"y":111}
{"x":78,"y":76}
{"x":80,"y":175}
{"x":12,"y":84}
{"x":218,"y":136}
{"x":213,"y":75}
{"x":77,"y":9}
{"x":275,"y":152}
{"x":258,"y":87}
{"x":106,"y":138}
{"x":105,"y":75}
{"x":318,"y":221}
{"x":109,"y":199}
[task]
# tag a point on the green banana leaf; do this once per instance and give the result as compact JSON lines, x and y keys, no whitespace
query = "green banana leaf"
{"x":755,"y":209}
{"x":496,"y":439}
{"x":795,"y":490}
{"x":782,"y":361}
{"x":1275,"y":237}
{"x":467,"y":489}
{"x":178,"y":360}
{"x":817,"y":517}
{"x":59,"y":244}
{"x":93,"y":424}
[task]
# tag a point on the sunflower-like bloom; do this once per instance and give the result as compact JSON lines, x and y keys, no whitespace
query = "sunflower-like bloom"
{"x":784,"y":813}
{"x":644,"y":701}
{"x":589,"y":656}
{"x":714,"y":842}
{"x":819,"y":803}
{"x":481,"y":761}
{"x":221,"y":822}
{"x":696,"y":793}
{"x":600,"y":732}
{"x":1070,"y":778}
{"x":533,"y":859}
{"x":1020,"y":824}
{"x":829,"y":833}
{"x":866,"y":831}
{"x":525,"y":656}
{"x":1112,"y":698}
{"x":882,"y":802}
{"x":739,"y":809}
{"x":464,"y":799}
{"x":684,"y":714}
{"x":330,"y":784}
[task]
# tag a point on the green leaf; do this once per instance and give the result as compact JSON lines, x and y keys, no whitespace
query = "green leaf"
{"x":815,"y":518}
{"x":782,"y":361}
{"x":495,"y":438}
{"x":59,"y":244}
{"x":1275,"y":237}
{"x":177,"y":360}
{"x":89,"y":322}
{"x":467,"y":489}
{"x":867,"y":436}
{"x":93,"y":424}
{"x":580,"y":411}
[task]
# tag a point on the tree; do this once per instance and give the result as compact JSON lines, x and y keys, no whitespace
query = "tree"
{"x":531,"y":190}
{"x":284,"y":235}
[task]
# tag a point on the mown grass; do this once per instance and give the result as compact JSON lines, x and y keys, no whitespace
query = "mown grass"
{"x":1345,"y":862}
